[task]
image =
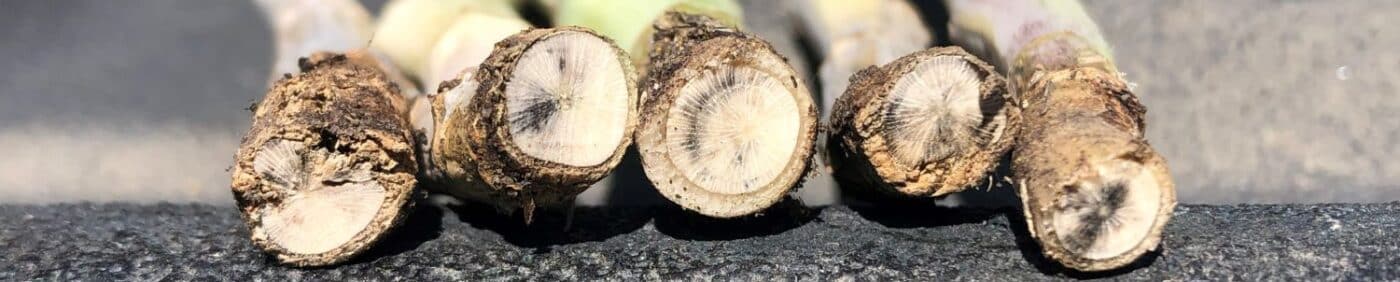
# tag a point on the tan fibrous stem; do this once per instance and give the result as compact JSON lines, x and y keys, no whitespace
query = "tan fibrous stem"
{"x":729,"y":127}
{"x":548,"y":113}
{"x":328,"y":165}
{"x":927,"y":124}
{"x":1095,"y":193}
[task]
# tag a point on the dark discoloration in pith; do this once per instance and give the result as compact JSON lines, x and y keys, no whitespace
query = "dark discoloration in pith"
{"x":692,"y":137}
{"x":1102,"y":204}
{"x":536,"y":116}
{"x":697,"y":124}
{"x":946,"y":137}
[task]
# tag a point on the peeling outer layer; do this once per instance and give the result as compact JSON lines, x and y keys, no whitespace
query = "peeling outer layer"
{"x":318,"y":138}
{"x":474,"y":148}
{"x":685,"y":48}
{"x":1095,"y":194}
{"x":448,"y":163}
{"x":863,"y":153}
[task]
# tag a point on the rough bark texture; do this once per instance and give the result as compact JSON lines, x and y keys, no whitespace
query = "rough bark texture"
{"x":475,"y":152}
{"x":449,"y":167}
{"x":1078,"y":110}
{"x":343,"y":107}
{"x":859,"y":154}
{"x":684,"y":47}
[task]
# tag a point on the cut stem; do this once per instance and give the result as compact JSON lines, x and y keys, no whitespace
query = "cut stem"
{"x":1095,"y":194}
{"x":729,"y":127}
{"x":328,"y":166}
{"x":547,"y":114}
{"x":928,"y":124}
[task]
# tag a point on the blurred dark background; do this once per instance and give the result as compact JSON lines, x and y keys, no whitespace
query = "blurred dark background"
{"x":1256,"y":101}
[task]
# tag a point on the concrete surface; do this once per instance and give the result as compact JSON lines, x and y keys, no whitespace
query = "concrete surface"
{"x":1253,"y":101}
{"x":206,"y":242}
{"x":1266,"y":100}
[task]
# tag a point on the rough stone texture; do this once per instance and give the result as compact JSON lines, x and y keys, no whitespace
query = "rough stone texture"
{"x":184,"y":242}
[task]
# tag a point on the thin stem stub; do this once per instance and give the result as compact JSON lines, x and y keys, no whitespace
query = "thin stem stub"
{"x":548,"y":113}
{"x":328,"y":166}
{"x":729,"y":127}
{"x":927,"y":124}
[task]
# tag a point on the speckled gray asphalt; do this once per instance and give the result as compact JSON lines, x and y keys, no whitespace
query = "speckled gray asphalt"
{"x":195,"y":242}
